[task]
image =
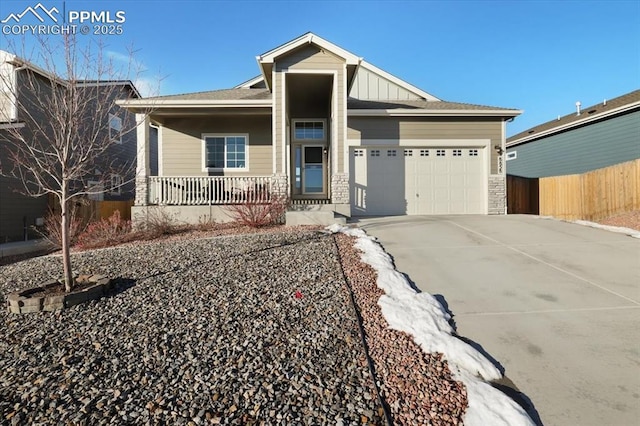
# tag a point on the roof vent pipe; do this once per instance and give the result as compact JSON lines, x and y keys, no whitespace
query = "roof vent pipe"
{"x":604,"y":103}
{"x":578,"y":108}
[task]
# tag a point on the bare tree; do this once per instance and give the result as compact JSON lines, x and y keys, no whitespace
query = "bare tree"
{"x":68,"y":126}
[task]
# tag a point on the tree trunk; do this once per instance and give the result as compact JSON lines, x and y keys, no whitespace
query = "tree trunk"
{"x":66,"y":253}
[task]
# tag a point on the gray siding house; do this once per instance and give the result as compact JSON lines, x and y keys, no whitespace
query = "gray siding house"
{"x":19,"y":213}
{"x":330,"y":131}
{"x":590,"y":138}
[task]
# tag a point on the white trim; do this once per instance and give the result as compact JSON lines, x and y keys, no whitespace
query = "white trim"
{"x":273,"y":123}
{"x":116,"y":189}
{"x":309,"y":120}
{"x":225,"y":169}
{"x":117,"y":138}
{"x":587,"y":119}
{"x":5,"y":126}
{"x":271,"y":55}
{"x":423,"y":112}
{"x":410,"y":87}
{"x":435,"y":143}
{"x":285,"y":131}
{"x":191,"y":103}
{"x":160,"y":150}
{"x":247,"y":84}
{"x":345,"y":149}
{"x":511,"y":155}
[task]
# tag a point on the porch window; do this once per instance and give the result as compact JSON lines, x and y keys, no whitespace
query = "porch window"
{"x":309,"y":130}
{"x":225,"y":152}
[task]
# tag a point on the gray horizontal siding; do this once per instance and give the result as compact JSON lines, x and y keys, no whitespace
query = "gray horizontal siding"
{"x":578,"y":151}
{"x":15,"y":209}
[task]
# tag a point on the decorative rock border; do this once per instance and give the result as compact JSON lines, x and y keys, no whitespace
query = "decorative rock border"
{"x":22,"y":302}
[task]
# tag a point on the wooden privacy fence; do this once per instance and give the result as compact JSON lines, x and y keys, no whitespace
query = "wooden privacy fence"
{"x":92,"y":210}
{"x":522,"y":195}
{"x":589,"y":196}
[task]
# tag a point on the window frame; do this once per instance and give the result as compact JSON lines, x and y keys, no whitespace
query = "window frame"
{"x":116,"y":189}
{"x":115,"y":138}
{"x":225,"y":136}
{"x":309,"y":120}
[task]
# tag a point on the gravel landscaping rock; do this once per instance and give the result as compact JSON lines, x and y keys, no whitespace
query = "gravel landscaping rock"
{"x":197,"y":332}
{"x":418,"y":387}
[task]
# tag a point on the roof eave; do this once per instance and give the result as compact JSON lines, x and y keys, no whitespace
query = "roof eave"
{"x":308,"y":38}
{"x":564,"y":127}
{"x":155,"y":104}
{"x":400,"y":112}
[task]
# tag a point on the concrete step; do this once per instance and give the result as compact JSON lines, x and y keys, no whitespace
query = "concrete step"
{"x":314,"y":217}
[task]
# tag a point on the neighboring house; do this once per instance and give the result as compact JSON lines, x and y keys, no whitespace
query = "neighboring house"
{"x":591,"y":138}
{"x":328,"y":129}
{"x":19,"y":213}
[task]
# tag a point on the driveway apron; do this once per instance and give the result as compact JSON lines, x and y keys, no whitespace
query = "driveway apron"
{"x":556,"y":304}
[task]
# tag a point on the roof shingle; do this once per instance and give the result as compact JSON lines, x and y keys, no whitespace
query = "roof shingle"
{"x":593,"y":110}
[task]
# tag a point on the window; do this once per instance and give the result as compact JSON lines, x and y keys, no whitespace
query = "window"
{"x":225,"y":152}
{"x":309,"y":130}
{"x":408,"y":153}
{"x":115,"y":128}
{"x":358,"y":153}
{"x":440,"y":153}
{"x":473,"y":153}
{"x":116,"y":184}
{"x":512,"y":155}
{"x":424,"y":153}
{"x":375,"y":153}
{"x":391,"y":153}
{"x":457,"y":153}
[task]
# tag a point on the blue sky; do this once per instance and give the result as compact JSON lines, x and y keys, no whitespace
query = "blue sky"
{"x":539,"y":56}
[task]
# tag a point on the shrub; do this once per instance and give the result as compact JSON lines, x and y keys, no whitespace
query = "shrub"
{"x":106,"y":232}
{"x":158,"y":223}
{"x":258,"y":214}
{"x":51,"y":230}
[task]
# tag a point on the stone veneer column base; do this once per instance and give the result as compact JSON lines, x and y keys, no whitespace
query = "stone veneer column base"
{"x":142,"y":189}
{"x":340,"y":188}
{"x":497,"y":194}
{"x":280,"y":185}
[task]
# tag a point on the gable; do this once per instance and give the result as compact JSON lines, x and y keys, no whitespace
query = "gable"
{"x":309,"y":57}
{"x":371,"y":83}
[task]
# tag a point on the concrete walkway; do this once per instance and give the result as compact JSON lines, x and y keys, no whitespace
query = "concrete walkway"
{"x":556,"y":304}
{"x":23,"y":247}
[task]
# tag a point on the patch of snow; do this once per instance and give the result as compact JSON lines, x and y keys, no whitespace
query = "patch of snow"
{"x":619,"y":229}
{"x":422,"y":316}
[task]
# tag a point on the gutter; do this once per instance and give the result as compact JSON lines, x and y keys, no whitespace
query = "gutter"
{"x":400,"y":112}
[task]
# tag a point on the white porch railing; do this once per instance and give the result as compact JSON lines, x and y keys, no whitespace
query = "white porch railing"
{"x":194,"y":191}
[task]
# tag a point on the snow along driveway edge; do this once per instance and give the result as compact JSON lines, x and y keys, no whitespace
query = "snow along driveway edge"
{"x":423,"y":317}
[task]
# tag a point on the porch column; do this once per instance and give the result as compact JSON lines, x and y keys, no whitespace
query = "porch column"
{"x":142,"y":155}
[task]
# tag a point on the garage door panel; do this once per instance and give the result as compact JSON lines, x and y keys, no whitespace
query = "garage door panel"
{"x":417,"y":180}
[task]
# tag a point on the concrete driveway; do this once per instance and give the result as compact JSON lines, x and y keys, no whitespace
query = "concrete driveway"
{"x":556,"y":304}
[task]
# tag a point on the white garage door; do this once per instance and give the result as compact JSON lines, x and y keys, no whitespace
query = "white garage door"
{"x":417,"y":180}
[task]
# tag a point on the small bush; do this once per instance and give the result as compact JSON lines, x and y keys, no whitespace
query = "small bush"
{"x":259,"y":214}
{"x":52,"y":228}
{"x":158,"y":223}
{"x":106,"y":232}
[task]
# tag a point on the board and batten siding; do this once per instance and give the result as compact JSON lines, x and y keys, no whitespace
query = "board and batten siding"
{"x":182,"y":143}
{"x":368,"y":85}
{"x":396,"y":128}
{"x":311,"y":58}
{"x":580,"y":150}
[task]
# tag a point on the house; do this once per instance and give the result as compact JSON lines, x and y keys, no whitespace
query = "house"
{"x":23,"y":87}
{"x":591,"y":138}
{"x":331,"y":131}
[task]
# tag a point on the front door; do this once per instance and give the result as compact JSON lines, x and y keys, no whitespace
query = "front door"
{"x":310,"y":177}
